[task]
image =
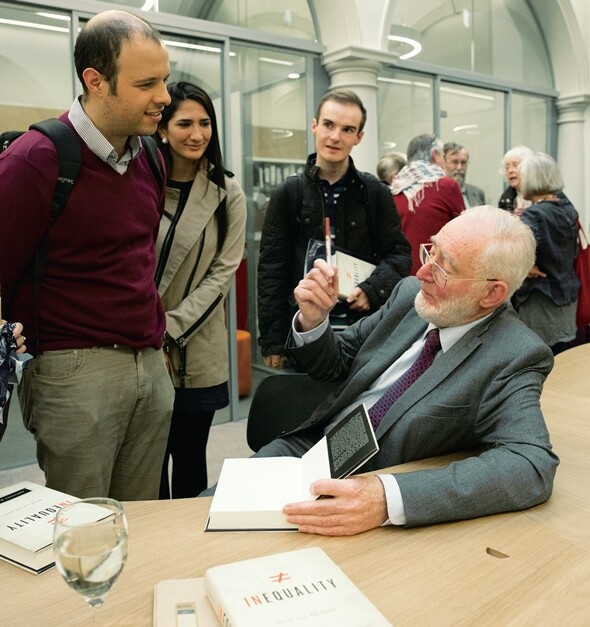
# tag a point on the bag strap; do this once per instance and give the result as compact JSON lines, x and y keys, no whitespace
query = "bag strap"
{"x":69,"y":157}
{"x":582,"y":237}
{"x":293,"y":189}
{"x":372,"y":204}
{"x":153,"y":155}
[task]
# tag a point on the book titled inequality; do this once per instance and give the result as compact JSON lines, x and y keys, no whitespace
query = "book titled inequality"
{"x":303,"y":587}
{"x":27,"y":518}
{"x":252,"y":492}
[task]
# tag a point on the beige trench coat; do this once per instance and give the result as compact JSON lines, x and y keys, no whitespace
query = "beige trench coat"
{"x":195,"y":278}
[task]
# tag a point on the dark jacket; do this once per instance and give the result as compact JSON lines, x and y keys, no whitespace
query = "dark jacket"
{"x":555,"y":225}
{"x":368,"y":227}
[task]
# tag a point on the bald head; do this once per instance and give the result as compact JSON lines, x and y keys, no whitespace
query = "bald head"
{"x":99,"y":43}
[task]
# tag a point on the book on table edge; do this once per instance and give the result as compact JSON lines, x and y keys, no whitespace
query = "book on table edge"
{"x":252,"y":492}
{"x":27,"y":518}
{"x":302,"y":587}
{"x":183,"y":603}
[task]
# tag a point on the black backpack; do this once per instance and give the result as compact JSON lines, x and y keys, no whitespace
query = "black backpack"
{"x":69,"y":156}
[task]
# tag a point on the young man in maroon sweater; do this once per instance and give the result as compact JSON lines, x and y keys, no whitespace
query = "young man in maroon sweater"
{"x":97,"y":397}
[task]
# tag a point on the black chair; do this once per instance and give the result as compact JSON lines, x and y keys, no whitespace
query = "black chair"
{"x":280,"y":403}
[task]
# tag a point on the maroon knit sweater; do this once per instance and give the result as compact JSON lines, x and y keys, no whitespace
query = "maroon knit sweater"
{"x":98,"y":288}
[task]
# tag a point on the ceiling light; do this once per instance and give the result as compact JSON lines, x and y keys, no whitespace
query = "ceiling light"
{"x":57,"y":29}
{"x":277,"y":61}
{"x":182,"y":44}
{"x":409,"y":37}
{"x":469,"y":94}
{"x":294,"y":75}
{"x":464,"y":127}
{"x":54,"y":16}
{"x":282,"y":133}
{"x":401,"y":81}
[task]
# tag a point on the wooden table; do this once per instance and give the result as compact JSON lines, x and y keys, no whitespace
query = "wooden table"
{"x":448,"y":574}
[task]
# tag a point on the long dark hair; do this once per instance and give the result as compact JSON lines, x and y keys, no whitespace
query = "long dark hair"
{"x":179,"y":92}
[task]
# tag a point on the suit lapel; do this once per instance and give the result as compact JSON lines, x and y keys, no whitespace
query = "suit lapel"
{"x":381,"y":350}
{"x":446,"y":363}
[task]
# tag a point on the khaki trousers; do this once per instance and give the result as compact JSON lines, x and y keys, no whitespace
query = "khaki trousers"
{"x":100,"y":417}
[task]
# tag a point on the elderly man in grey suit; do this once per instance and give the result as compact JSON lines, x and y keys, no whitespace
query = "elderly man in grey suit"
{"x":481,"y":393}
{"x":455,"y":164}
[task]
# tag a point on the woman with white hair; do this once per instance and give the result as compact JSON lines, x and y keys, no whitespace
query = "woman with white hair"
{"x":547,"y":300}
{"x":512,"y":198}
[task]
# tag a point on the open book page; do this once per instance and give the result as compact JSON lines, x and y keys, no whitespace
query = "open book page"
{"x":252,"y":492}
{"x":351,"y":442}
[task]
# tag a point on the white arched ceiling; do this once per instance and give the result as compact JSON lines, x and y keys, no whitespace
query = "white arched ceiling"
{"x":358,"y":27}
{"x":563,"y":37}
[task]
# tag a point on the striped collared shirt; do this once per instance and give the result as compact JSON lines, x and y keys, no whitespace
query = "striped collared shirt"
{"x":98,"y":143}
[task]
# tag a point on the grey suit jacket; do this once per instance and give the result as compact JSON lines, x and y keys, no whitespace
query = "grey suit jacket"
{"x":481,"y":394}
{"x":475,"y":195}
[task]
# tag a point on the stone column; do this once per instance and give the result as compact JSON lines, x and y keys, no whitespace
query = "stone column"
{"x":360,"y":75}
{"x":573,"y":163}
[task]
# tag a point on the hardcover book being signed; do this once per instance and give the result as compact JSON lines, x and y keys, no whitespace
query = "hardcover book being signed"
{"x":252,"y":492}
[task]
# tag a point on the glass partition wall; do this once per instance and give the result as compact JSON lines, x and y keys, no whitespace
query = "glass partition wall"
{"x":487,"y":121}
{"x":261,"y":62}
{"x":261,"y":95}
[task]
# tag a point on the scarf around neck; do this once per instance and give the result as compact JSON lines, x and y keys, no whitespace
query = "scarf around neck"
{"x":412,"y":179}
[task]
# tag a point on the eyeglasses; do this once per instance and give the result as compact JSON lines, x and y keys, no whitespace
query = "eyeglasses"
{"x":439,"y":276}
{"x":456,"y":162}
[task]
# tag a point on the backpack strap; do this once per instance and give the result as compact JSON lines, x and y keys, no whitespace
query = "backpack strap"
{"x":293,"y":189}
{"x":69,"y":157}
{"x":372,"y":202}
{"x":153,"y":155}
{"x":7,"y":137}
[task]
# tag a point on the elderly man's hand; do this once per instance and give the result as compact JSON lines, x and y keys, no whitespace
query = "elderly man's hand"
{"x":352,"y":506}
{"x":316,"y":294}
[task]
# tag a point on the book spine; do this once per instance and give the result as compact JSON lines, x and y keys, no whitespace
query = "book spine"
{"x":220,"y":613}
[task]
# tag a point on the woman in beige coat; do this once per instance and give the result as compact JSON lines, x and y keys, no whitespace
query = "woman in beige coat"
{"x":200,"y":245}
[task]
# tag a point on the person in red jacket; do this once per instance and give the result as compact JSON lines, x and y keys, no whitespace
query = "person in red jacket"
{"x":425,"y":198}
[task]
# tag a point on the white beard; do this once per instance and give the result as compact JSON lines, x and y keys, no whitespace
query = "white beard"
{"x":448,"y":313}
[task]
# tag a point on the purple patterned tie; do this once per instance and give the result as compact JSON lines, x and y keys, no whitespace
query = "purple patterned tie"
{"x":422,"y":363}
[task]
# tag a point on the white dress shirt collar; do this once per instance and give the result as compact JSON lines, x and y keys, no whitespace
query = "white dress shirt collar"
{"x":98,"y":143}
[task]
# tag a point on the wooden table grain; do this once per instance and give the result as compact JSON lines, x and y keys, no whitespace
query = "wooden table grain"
{"x":520,"y":568}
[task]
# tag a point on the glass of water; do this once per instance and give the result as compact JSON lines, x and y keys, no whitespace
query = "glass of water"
{"x":90,"y":546}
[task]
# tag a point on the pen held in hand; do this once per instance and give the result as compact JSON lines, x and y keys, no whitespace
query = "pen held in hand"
{"x":328,"y":239}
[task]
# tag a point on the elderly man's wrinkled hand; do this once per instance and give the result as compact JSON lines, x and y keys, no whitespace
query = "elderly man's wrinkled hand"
{"x":349,"y":506}
{"x":316,"y":294}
